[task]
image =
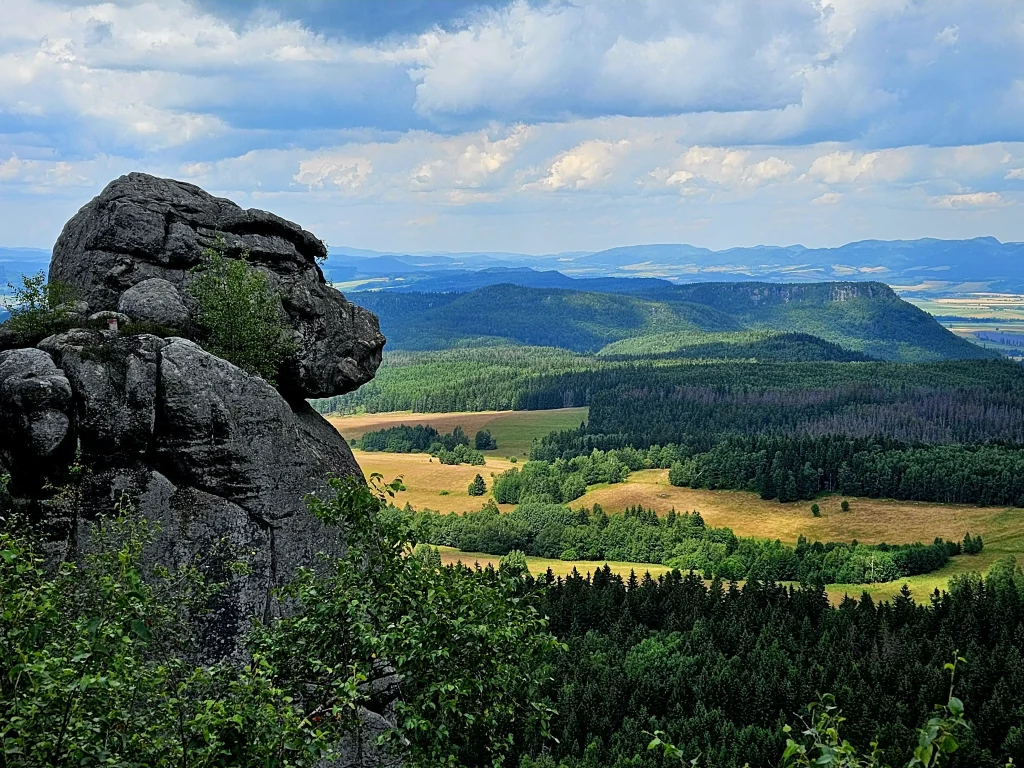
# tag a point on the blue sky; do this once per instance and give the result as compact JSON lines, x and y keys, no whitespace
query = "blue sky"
{"x":535,"y":126}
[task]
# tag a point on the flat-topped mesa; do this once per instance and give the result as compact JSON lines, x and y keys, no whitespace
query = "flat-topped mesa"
{"x":132,"y":249}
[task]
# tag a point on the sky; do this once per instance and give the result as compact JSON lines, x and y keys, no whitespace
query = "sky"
{"x":535,"y":126}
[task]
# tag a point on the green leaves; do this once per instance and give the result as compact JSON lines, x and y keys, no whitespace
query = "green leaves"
{"x":92,"y":670}
{"x":463,"y":648}
{"x":40,"y":308}
{"x":241,"y":314}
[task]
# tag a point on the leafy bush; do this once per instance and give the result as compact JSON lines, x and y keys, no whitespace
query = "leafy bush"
{"x":462,"y":454}
{"x":93,"y":668}
{"x":514,"y":563}
{"x":40,"y":309}
{"x":96,"y":659}
{"x":241,"y":314}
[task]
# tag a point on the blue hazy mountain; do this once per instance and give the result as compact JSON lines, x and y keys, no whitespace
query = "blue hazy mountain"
{"x":15,"y":262}
{"x":928,"y":265}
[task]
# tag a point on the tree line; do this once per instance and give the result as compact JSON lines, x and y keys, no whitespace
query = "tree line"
{"x":795,"y":467}
{"x":680,"y":541}
{"x":450,"y":448}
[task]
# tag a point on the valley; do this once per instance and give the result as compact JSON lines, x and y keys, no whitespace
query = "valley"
{"x":431,"y":485}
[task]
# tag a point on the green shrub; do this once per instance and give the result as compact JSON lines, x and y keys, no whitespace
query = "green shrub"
{"x":429,"y":557}
{"x":514,"y":563}
{"x":241,"y":315}
{"x":815,"y":510}
{"x":40,"y":309}
{"x":93,"y":670}
{"x":94,"y":657}
{"x":845,"y":506}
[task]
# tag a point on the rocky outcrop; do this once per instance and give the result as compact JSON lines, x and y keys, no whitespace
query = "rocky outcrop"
{"x":35,"y":416}
{"x":125,"y":407}
{"x":143,"y":229}
{"x":218,"y":458}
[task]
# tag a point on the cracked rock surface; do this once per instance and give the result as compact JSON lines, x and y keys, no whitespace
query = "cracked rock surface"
{"x":219,"y":458}
{"x":142,"y":228}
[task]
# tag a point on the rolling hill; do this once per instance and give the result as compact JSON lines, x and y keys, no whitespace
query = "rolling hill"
{"x":866,"y":318}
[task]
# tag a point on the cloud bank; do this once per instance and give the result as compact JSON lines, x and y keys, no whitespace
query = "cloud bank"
{"x":537,"y":126}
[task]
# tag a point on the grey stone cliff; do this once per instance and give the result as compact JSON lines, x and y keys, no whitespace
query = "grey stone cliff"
{"x":219,"y":458}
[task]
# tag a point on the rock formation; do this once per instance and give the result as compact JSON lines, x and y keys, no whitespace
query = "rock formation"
{"x":141,"y":237}
{"x":218,"y":457}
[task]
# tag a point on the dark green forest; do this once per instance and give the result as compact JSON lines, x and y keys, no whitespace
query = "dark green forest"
{"x":945,"y":432}
{"x":722,"y":669}
{"x":866,"y":318}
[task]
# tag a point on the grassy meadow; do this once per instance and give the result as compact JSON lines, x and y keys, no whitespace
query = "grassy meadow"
{"x":431,"y":485}
{"x":514,"y":431}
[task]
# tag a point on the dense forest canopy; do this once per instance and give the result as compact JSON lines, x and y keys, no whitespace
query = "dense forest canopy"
{"x":862,"y":317}
{"x":722,"y":669}
{"x":946,"y":432}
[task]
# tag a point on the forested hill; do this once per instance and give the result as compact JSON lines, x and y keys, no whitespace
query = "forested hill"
{"x":866,"y":318}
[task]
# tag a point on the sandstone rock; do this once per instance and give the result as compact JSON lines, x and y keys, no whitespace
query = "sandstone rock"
{"x":35,"y":408}
{"x":217,"y":458}
{"x":195,"y":528}
{"x":142,"y":227}
{"x":114,"y":378}
{"x":155,"y":301}
{"x":232,"y":435}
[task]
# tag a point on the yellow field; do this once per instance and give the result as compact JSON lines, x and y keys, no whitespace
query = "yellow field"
{"x":540,"y":565}
{"x":869,"y":521}
{"x":514,"y":431}
{"x":1007,"y":306}
{"x":425,"y":478}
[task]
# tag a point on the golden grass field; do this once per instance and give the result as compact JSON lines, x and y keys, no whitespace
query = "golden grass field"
{"x":514,"y":431}
{"x":870,"y":521}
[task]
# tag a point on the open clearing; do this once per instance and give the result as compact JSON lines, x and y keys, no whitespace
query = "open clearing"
{"x":869,"y":521}
{"x":540,"y":565}
{"x":514,"y":431}
{"x":425,"y":479}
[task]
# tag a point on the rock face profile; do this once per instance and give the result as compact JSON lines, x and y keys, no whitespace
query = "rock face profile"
{"x":219,"y":458}
{"x":140,"y":237}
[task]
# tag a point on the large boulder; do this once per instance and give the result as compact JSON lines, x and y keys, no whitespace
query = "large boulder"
{"x":155,"y":301}
{"x":141,"y":228}
{"x":95,"y":418}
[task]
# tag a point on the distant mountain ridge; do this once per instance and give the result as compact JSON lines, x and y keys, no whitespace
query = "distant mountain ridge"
{"x":865,"y":318}
{"x":927,"y":265}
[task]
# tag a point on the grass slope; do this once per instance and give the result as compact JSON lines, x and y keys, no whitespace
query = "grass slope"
{"x":867,"y":317}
